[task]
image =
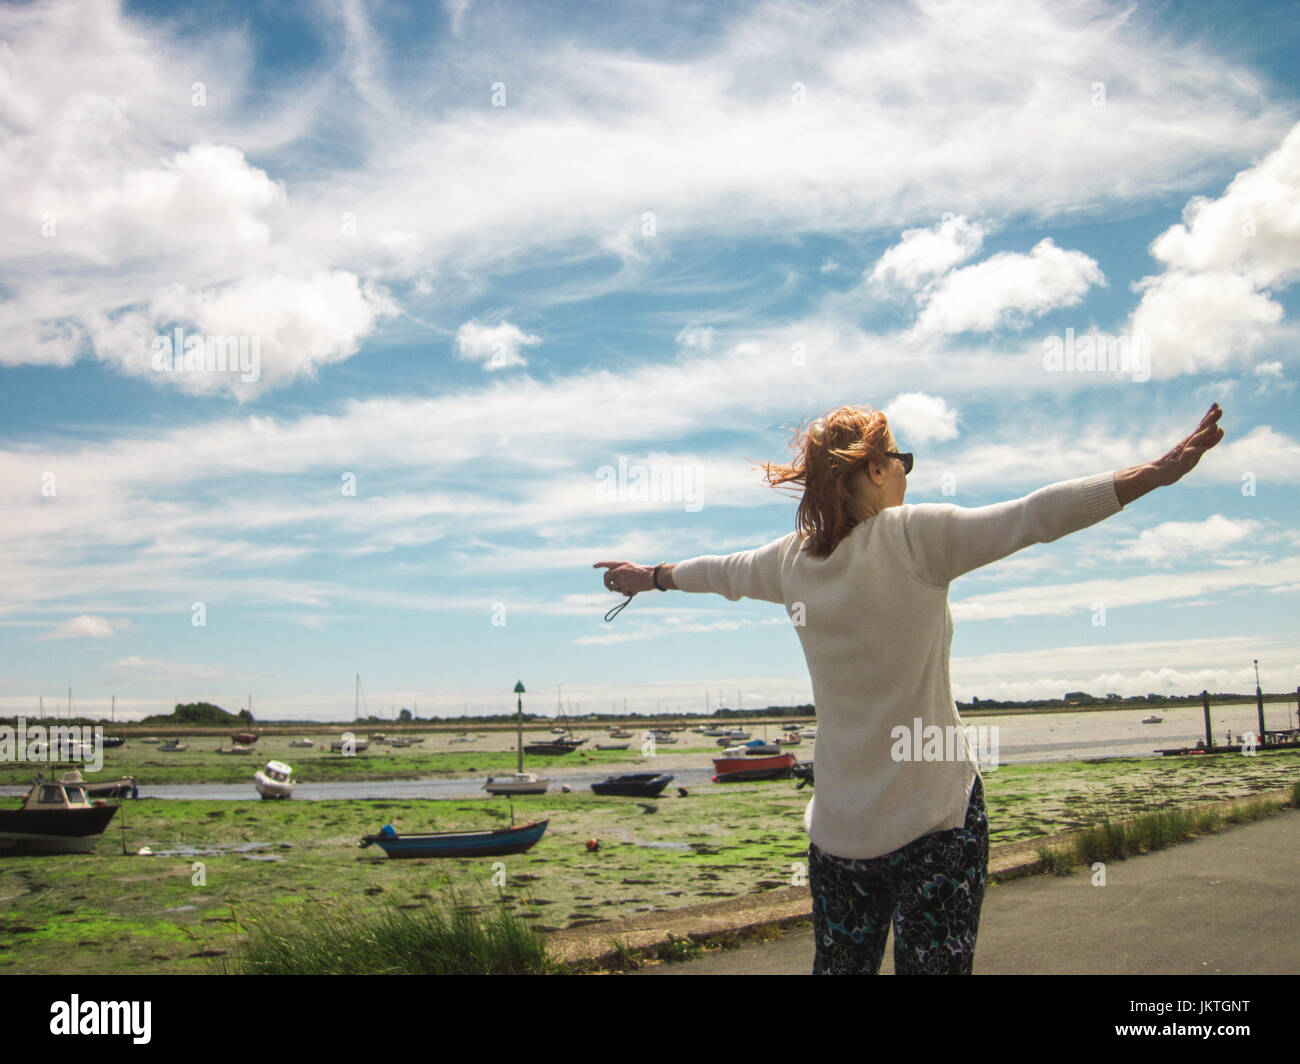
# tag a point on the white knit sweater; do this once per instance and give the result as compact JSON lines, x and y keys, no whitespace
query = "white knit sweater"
{"x":876,"y":634}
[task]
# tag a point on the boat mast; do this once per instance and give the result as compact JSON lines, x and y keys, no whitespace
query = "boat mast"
{"x":114,"y":710}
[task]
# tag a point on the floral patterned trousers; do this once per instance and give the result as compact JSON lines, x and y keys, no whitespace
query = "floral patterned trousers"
{"x":931,"y":889}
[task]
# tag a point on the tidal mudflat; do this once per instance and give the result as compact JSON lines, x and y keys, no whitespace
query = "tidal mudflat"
{"x":217,"y":863}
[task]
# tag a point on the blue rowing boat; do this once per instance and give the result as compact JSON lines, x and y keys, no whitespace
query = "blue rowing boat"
{"x":458,"y":843}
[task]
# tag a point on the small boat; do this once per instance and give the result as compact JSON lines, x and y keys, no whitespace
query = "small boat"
{"x":663,"y":737}
{"x":551,"y":749}
{"x":244,"y":738}
{"x":399,"y":744}
{"x":789,"y":739}
{"x":337,"y":746}
{"x":152,"y":740}
{"x":175,"y":746}
{"x":759,"y":748}
{"x":611,"y":746}
{"x":619,"y":733}
{"x":464,"y":739}
{"x":235,"y":750}
{"x":495,"y":843}
{"x":1153,"y":719}
{"x":735,"y":769}
{"x":57,"y":816}
{"x":378,"y":736}
{"x":124,"y":787}
{"x":274,"y":781}
{"x":518,"y":783}
{"x":634,"y":785}
{"x":112,"y":742}
{"x":302,"y":743}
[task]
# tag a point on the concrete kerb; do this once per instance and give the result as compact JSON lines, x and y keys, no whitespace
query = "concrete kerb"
{"x":606,"y":945}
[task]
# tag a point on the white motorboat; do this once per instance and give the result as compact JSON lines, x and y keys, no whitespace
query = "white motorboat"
{"x":274,"y":781}
{"x":302,"y":743}
{"x":1153,"y":719}
{"x":518,"y":783}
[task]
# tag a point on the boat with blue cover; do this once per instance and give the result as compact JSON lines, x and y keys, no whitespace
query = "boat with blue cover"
{"x":494,"y":843}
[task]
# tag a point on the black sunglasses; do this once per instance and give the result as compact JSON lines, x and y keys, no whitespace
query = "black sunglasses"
{"x":906,"y":459}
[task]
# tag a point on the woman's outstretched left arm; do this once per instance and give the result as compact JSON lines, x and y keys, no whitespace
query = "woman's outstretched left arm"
{"x":752,"y":574}
{"x":629,"y":578}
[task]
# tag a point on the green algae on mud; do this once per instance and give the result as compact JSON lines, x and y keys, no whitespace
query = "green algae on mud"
{"x":182,"y":913}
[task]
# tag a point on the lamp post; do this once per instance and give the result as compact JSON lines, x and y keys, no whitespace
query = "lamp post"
{"x":1259,"y":702}
{"x":519,"y":727}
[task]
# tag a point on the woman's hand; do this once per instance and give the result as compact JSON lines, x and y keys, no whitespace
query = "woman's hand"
{"x":1182,"y":459}
{"x":627,"y":578}
{"x":1136,"y":481}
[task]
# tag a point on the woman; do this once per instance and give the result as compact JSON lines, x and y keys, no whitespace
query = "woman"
{"x":865,"y":581}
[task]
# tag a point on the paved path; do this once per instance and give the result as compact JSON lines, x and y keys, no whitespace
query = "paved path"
{"x":1224,"y":904}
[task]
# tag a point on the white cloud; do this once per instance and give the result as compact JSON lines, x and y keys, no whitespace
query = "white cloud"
{"x":925,"y":253}
{"x":496,"y":346}
{"x":1064,"y":599}
{"x":920,"y":418}
{"x":1253,"y":229}
{"x":1177,"y":541}
{"x":1211,"y":307}
{"x":140,"y":670}
{"x":88,"y":627}
{"x":608,"y":134}
{"x":1008,"y":290}
{"x":1201,"y":322}
{"x":1269,"y":369}
{"x":696,"y":338}
{"x":456,"y":11}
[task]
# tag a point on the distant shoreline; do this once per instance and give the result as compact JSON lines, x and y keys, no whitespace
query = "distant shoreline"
{"x":772,"y":716}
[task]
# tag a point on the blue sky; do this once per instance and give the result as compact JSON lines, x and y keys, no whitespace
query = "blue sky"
{"x":485,"y":252}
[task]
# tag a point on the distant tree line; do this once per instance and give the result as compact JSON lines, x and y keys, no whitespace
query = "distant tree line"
{"x":200,"y":713}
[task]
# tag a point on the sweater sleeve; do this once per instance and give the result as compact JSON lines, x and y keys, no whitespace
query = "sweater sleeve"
{"x":944,"y":541}
{"x":752,"y":574}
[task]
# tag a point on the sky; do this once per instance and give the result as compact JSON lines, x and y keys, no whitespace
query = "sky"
{"x":342,"y":339}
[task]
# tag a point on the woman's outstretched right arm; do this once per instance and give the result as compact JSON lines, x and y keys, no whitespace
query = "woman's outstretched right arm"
{"x":944,"y":541}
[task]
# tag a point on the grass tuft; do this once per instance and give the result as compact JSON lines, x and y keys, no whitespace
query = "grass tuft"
{"x":444,"y":937}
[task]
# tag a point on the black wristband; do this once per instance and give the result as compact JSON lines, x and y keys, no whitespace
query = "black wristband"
{"x":656,"y":577}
